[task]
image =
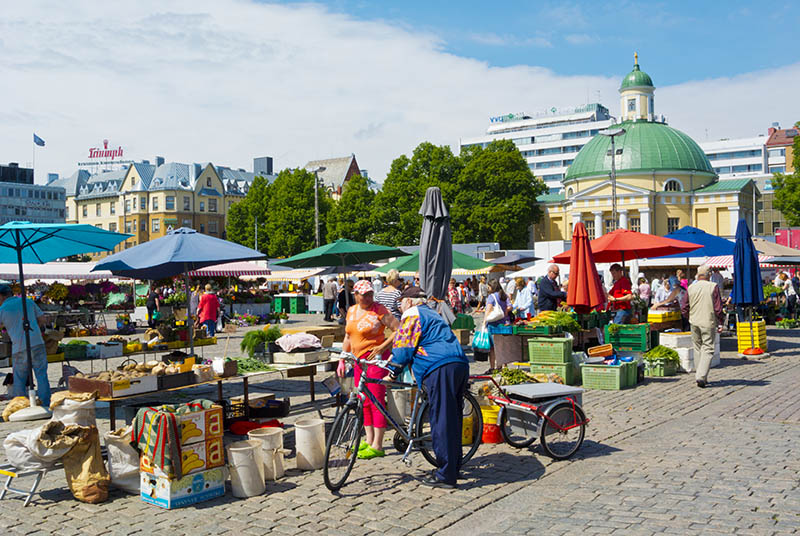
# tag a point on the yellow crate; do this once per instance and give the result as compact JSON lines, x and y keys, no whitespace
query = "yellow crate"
{"x":55,"y":358}
{"x":206,"y":342}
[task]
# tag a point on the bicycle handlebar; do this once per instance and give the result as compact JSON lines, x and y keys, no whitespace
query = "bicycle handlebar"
{"x":380,"y":363}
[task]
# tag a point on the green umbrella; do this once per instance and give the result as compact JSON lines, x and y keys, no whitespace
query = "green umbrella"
{"x":343,"y":252}
{"x":411,"y":263}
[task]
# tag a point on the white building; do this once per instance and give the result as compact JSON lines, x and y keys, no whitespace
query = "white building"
{"x":548,"y":140}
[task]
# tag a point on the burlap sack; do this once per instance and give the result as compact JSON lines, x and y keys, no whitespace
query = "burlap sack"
{"x":84,"y":468}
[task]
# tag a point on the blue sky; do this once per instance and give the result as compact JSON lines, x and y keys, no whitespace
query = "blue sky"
{"x":687,"y":40}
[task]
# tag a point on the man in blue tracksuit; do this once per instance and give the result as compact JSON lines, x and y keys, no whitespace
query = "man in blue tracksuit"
{"x":439,"y":364}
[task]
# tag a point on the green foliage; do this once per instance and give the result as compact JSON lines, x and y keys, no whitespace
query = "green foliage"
{"x":290,"y":224}
{"x":495,"y":197}
{"x":176,"y":299}
{"x":787,"y":187}
{"x":662,"y":352}
{"x":770,"y":289}
{"x":787,"y":323}
{"x":253,"y":339}
{"x":243,"y":215}
{"x":249,"y":364}
{"x":351,"y":216}
{"x":561,"y":320}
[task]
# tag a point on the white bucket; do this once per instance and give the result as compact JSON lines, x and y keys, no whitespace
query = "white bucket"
{"x":271,"y":440}
{"x":246,"y":462}
{"x":399,"y":403}
{"x":309,"y":437}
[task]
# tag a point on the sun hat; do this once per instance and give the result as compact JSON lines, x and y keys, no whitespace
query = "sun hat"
{"x":413,"y":292}
{"x":363,"y":287}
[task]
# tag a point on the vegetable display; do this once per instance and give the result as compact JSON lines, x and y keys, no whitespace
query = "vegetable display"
{"x":253,"y":339}
{"x":249,"y":364}
{"x":662,"y":352}
{"x":558,"y":319}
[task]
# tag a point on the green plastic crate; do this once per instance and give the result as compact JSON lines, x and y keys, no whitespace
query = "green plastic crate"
{"x":556,"y":350}
{"x":463,"y":321}
{"x":632,"y":373}
{"x":74,"y":351}
{"x":567,"y":371}
{"x":660,"y":368}
{"x":605,"y":377}
{"x":654,"y":338}
{"x":522,"y":329}
{"x":630,"y":338}
{"x":279,"y":305}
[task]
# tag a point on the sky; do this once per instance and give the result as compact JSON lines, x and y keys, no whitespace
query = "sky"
{"x":229,"y":80}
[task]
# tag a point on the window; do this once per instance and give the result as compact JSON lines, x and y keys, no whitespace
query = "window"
{"x":635,"y":224}
{"x":129,"y":226}
{"x":85,"y":211}
{"x":775,"y":226}
{"x":673,"y":224}
{"x":202,"y":206}
{"x":66,"y":215}
{"x":127,"y":206}
{"x":155,"y":203}
{"x":156,"y":225}
{"x":133,"y":182}
{"x":631,"y":105}
{"x":143,"y":224}
{"x":112,"y":207}
{"x":170,"y":202}
{"x":777,"y":169}
{"x":673,"y":185}
{"x":112,"y":227}
{"x":208,"y":182}
{"x":517,"y":142}
{"x":202,"y":228}
{"x":143,"y":203}
{"x":652,"y":106}
{"x":777,"y":152}
{"x":97,"y":210}
{"x":589,"y":228}
{"x":187,"y":223}
{"x":212,"y":205}
{"x":212,"y":227}
{"x":551,"y":150}
{"x":610,"y":225}
{"x":761,"y":227}
{"x":570,"y":192}
{"x":98,"y":225}
{"x":186,"y":203}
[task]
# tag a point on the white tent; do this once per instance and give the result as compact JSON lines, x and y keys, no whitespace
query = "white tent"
{"x":56,"y":271}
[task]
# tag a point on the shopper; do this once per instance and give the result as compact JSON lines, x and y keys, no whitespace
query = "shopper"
{"x":483,"y":293}
{"x":345,"y":300}
{"x":791,"y":294}
{"x":621,"y":295}
{"x":703,"y":307}
{"x":389,"y":296}
{"x":208,"y":311}
{"x":453,"y":297}
{"x":365,"y":338}
{"x":497,"y":299}
{"x":645,"y":293}
{"x":11,"y":317}
{"x":428,"y":345}
{"x":549,"y":293}
{"x":523,"y":304}
{"x":329,"y":298}
{"x":682,"y":279}
{"x":153,"y":304}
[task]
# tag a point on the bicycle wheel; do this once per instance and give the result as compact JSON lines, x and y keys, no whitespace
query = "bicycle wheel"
{"x":561,"y":444}
{"x":422,"y":429}
{"x":341,"y":450}
{"x":515,"y":439}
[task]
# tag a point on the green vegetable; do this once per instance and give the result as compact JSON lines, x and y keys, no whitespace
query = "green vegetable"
{"x":253,"y":339}
{"x":787,"y":323}
{"x":249,"y":364}
{"x":561,"y":320}
{"x":509,"y":376}
{"x":78,"y":342}
{"x":662,"y":352}
{"x":614,"y":329}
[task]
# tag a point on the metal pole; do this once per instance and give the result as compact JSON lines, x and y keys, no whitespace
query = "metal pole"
{"x":613,"y":186}
{"x":189,"y":322}
{"x":256,"y":225}
{"x":26,"y":325}
{"x":316,"y":209}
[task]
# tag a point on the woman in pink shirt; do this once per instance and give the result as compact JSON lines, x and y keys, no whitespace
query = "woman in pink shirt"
{"x":207,"y":311}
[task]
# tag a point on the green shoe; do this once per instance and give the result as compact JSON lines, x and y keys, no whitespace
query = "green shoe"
{"x":362,"y":446}
{"x":369,"y":453}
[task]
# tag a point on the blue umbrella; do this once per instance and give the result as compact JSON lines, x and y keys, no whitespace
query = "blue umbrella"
{"x":713,"y":245}
{"x":178,"y":252}
{"x":747,"y":289}
{"x":25,"y":242}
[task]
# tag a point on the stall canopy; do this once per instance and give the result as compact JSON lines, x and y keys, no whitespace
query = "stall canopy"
{"x":297,"y":275}
{"x":624,"y":245}
{"x":712,"y":245}
{"x":231,"y":269}
{"x":726,"y":261}
{"x":56,"y":271}
{"x":462,"y":265}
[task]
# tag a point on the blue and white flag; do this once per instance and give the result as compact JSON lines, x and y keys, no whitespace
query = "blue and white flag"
{"x":37,"y":140}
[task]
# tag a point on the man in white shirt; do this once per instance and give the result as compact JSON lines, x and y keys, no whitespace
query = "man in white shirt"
{"x":11,"y":318}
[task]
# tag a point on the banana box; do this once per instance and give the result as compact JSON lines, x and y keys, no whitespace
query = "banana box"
{"x":190,"y":489}
{"x":199,"y":426}
{"x":195,"y":457}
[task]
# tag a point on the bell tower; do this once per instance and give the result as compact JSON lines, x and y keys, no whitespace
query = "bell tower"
{"x":636,"y":95}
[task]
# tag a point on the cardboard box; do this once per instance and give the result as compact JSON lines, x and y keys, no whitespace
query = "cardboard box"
{"x":687,"y":358}
{"x":110,"y":349}
{"x":190,"y":489}
{"x":463,"y":336}
{"x":200,"y":426}
{"x":300,"y":358}
{"x":107,"y":389}
{"x":195,"y":457}
{"x":676,"y":340}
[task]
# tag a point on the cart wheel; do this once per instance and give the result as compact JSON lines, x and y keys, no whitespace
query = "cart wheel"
{"x":518,"y":441}
{"x":399,"y":444}
{"x":422,"y":429}
{"x":561,"y":444}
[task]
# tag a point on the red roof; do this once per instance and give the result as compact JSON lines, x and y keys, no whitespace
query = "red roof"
{"x":782,"y":137}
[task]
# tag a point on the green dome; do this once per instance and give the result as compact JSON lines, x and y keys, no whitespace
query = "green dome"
{"x":636,"y":78}
{"x":646,"y":147}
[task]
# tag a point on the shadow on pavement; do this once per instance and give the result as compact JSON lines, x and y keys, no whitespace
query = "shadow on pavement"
{"x":735,"y":382}
{"x":593,"y":449}
{"x":739,"y":362}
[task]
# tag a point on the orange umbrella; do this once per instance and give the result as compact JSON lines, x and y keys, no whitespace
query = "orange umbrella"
{"x":624,"y":245}
{"x":585,"y":291}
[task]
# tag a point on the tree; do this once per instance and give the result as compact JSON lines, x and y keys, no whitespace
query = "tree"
{"x":290,"y":221}
{"x":350,"y":217}
{"x":494,"y":199}
{"x":243,"y":215}
{"x":397,"y":205}
{"x":787,"y":187}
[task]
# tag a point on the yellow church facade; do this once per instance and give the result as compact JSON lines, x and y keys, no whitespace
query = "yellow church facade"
{"x":663,"y":180}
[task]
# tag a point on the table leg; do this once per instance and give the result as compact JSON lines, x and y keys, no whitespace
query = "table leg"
{"x":246,"y":387}
{"x":219,"y":391}
{"x":311,"y":385}
{"x":112,"y":415}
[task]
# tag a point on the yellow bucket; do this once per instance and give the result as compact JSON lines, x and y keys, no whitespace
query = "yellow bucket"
{"x":466,"y":430}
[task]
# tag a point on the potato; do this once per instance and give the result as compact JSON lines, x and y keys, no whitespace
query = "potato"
{"x":142,"y":367}
{"x":151,"y":364}
{"x":129,"y":366}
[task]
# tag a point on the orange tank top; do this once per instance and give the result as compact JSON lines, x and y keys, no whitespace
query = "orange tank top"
{"x":365,"y":329}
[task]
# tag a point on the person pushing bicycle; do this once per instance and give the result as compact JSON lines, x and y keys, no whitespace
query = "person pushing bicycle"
{"x":426,"y":343}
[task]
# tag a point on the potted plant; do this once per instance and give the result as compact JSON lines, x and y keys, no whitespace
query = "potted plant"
{"x":283,"y":318}
{"x":260,"y":342}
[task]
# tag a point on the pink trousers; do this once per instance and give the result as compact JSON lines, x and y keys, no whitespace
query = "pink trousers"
{"x":373,"y":417}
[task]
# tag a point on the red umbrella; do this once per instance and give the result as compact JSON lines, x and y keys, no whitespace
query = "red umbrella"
{"x":624,"y":245}
{"x":585,"y":291}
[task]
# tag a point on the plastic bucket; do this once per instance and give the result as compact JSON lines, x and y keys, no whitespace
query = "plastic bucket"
{"x":246,"y":462}
{"x":272,"y":437}
{"x":309,"y":437}
{"x":271,"y":440}
{"x":491,"y":431}
{"x":466,"y":430}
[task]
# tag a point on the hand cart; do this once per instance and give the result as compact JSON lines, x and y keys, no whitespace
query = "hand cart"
{"x":550,"y":412}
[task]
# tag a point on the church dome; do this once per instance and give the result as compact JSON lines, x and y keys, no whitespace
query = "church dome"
{"x":636,"y":78}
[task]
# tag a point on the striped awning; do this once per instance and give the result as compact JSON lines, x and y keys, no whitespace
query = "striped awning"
{"x":726,"y":261}
{"x":56,"y":271}
{"x":298,"y":274}
{"x":231,"y":269}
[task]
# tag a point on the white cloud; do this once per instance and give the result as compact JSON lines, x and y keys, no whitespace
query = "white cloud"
{"x":579,"y":39}
{"x":229,"y":80}
{"x":495,"y":40}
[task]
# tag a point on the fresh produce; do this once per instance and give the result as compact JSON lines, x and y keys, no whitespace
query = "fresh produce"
{"x":614,"y":329}
{"x":662,"y":353}
{"x":558,"y":319}
{"x":249,"y":364}
{"x":78,"y":342}
{"x":787,"y":323}
{"x":510,"y":376}
{"x":253,"y":339}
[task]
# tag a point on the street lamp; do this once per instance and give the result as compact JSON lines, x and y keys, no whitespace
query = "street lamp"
{"x":612,"y":133}
{"x":316,"y":202}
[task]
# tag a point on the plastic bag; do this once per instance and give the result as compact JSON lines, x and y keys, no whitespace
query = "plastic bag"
{"x":482,"y":340}
{"x":83,"y":466}
{"x":25,"y":452}
{"x":123,"y":460}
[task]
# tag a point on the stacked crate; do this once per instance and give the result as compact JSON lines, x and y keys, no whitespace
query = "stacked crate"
{"x":758,"y":332}
{"x":553,"y":355}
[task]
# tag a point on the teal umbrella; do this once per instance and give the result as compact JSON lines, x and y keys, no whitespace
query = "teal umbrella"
{"x":411,"y":263}
{"x":24,"y":242}
{"x":342,"y":252}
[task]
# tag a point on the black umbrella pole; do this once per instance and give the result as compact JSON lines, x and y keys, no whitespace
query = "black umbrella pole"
{"x":26,"y":325}
{"x":189,"y":323}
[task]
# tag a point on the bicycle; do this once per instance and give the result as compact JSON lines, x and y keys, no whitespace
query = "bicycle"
{"x":341,"y":449}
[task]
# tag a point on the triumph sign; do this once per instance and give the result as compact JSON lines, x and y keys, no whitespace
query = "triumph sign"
{"x":105,"y":152}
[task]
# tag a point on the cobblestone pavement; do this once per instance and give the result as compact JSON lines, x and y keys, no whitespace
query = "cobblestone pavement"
{"x":665,"y":457}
